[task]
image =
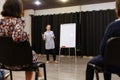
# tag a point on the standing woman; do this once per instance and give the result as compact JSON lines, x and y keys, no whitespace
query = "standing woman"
{"x":49,"y":37}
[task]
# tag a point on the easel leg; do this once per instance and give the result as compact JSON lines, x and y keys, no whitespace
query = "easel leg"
{"x":59,"y":54}
{"x":75,"y":52}
{"x":69,"y":52}
{"x":75,"y":56}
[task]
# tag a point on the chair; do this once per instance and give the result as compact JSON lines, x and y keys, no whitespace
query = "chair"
{"x":18,"y":53}
{"x":111,"y":58}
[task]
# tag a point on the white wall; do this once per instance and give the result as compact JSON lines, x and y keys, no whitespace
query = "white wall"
{"x":1,"y":5}
{"x":28,"y":21}
{"x":58,"y":10}
{"x":100,"y":6}
{"x":90,"y":7}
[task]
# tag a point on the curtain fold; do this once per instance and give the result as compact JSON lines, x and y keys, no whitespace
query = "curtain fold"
{"x":90,"y":29}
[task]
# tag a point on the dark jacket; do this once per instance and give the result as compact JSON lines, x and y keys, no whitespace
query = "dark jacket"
{"x":113,"y":30}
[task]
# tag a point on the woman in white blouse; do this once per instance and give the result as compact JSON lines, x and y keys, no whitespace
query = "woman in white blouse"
{"x":49,"y":37}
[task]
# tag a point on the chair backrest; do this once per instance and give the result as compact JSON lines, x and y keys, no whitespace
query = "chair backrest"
{"x":14,"y":53}
{"x":112,"y":52}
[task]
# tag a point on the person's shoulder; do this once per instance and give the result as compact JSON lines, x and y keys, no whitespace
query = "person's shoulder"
{"x":45,"y":32}
{"x":51,"y":31}
{"x":114,"y":23}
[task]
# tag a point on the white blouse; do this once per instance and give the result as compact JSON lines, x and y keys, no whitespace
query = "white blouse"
{"x":49,"y":40}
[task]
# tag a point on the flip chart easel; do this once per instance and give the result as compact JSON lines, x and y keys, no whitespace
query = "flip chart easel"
{"x":67,"y":37}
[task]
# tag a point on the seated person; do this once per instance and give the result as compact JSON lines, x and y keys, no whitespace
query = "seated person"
{"x":113,"y":30}
{"x":13,"y":25}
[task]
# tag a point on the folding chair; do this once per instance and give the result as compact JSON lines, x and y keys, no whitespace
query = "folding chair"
{"x":111,"y":58}
{"x":18,"y":53}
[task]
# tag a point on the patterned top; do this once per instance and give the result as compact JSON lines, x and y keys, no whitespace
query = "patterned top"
{"x":13,"y":27}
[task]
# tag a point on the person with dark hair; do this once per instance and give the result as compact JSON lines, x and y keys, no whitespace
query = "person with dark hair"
{"x":49,"y":37}
{"x":13,"y":25}
{"x":113,"y":30}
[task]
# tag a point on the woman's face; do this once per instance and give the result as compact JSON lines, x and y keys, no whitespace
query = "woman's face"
{"x":48,"y":28}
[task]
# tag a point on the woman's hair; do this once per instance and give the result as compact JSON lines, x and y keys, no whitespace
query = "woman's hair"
{"x":118,"y":7}
{"x":12,"y":8}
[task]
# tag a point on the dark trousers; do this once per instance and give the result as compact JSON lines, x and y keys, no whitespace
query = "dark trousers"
{"x":51,"y":51}
{"x":98,"y":60}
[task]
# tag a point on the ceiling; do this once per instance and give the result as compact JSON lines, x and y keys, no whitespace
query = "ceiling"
{"x":47,"y":4}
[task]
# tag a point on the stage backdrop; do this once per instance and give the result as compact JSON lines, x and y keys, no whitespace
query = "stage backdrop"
{"x":90,"y":27}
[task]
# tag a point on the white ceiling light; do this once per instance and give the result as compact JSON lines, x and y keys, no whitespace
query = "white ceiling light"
{"x":38,"y":3}
{"x":64,"y":1}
